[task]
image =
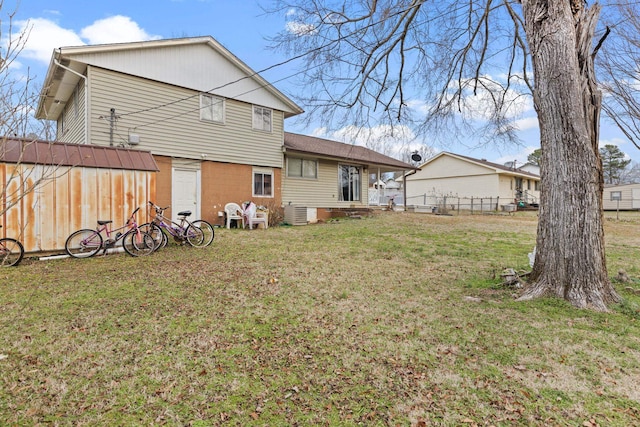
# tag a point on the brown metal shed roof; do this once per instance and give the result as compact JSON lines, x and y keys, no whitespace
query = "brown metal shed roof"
{"x":341,"y":151}
{"x":64,"y":154}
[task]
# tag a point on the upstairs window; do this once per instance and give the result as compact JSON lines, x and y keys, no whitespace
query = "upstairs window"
{"x":262,"y":118}
{"x":211,"y":108}
{"x":302,"y":168}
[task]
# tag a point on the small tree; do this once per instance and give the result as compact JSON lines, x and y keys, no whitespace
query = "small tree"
{"x":619,"y":66}
{"x":631,"y":175}
{"x":535,"y":157}
{"x":613,"y":163}
{"x":18,"y":128}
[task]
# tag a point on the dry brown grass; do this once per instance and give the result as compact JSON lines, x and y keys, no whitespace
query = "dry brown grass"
{"x":354,"y":322}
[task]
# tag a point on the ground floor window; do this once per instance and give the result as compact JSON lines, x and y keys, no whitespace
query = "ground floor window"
{"x":263,"y":183}
{"x":302,"y":168}
{"x":616,"y":195}
{"x":349,"y":180}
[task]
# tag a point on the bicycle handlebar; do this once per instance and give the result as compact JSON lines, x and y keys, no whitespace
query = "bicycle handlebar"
{"x":158,"y":208}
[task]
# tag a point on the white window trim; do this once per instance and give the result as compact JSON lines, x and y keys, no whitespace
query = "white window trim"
{"x":253,"y":118}
{"x":362,"y":178}
{"x":214,"y":98}
{"x":263,"y":171}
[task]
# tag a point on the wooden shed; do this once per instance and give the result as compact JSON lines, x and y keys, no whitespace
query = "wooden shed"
{"x":52,"y":189}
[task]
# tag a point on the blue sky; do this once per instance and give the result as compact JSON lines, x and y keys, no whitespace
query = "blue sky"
{"x":240,"y":25}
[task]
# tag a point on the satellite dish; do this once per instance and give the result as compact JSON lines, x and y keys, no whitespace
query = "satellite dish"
{"x":416,"y":157}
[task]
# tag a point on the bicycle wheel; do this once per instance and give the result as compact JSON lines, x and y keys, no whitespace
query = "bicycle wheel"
{"x":194,"y":236}
{"x":11,"y":252}
{"x":83,"y":243}
{"x":207,"y":230}
{"x":154,"y":230}
{"x":138,"y":243}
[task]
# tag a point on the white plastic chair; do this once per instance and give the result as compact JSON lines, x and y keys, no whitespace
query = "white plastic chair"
{"x":233,"y":211}
{"x":252,"y":216}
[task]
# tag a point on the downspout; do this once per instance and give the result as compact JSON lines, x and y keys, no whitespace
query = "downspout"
{"x":86,"y":96}
{"x":404,"y":189}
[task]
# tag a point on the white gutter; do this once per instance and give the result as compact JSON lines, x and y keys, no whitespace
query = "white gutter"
{"x":86,"y":97}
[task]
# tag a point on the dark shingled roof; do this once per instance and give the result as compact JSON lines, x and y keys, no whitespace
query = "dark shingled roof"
{"x":338,"y":150}
{"x":64,"y":154}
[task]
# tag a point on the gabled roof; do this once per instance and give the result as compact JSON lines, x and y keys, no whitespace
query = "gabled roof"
{"x":27,"y":151}
{"x":616,"y":186}
{"x":324,"y":148}
{"x":498,"y":168}
{"x":197,"y":63}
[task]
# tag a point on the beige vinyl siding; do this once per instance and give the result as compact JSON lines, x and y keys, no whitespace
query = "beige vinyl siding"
{"x":447,"y":166}
{"x":472,"y":186}
{"x":507,"y":188}
{"x":167,"y":120}
{"x":321,"y":192}
{"x":451,"y":176}
{"x":627,"y":197}
{"x":74,"y":117}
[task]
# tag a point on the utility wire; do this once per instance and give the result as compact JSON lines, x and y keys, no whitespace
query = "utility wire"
{"x":257,"y":73}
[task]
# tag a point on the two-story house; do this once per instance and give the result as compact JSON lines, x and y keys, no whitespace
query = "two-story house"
{"x":214,"y":126}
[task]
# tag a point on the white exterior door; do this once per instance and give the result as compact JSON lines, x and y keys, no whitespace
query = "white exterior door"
{"x":185,"y":193}
{"x":635,"y":195}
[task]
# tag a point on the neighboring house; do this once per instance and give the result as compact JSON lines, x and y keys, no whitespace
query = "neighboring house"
{"x":325,"y":177}
{"x":457,"y":176}
{"x":58,"y":188}
{"x":380,"y":192}
{"x":531,"y":168}
{"x":214,"y":126}
{"x":621,"y":197}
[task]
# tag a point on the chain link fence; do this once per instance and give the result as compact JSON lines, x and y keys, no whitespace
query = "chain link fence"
{"x":459,"y":205}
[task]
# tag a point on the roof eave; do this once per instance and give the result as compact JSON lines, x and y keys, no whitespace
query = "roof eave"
{"x":70,"y":51}
{"x":386,"y":166}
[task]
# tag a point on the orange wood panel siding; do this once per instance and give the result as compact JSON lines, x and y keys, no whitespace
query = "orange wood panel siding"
{"x":75,"y":198}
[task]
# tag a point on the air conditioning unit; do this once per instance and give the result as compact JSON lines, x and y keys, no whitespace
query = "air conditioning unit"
{"x":295,"y":215}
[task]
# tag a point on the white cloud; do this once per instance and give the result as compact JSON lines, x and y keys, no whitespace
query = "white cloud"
{"x":45,"y":35}
{"x":613,"y":141}
{"x":526,"y":123}
{"x":478,"y":99}
{"x":393,"y":141}
{"x":115,"y":29}
{"x":300,"y":28}
{"x":520,"y":158}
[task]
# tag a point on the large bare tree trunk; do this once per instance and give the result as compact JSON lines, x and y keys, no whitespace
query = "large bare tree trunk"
{"x":570,"y":257}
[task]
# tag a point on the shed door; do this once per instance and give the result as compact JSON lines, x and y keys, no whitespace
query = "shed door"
{"x":635,"y":195}
{"x":185,"y":192}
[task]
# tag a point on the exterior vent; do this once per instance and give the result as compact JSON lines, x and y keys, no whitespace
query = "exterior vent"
{"x":134,"y":139}
{"x":295,"y":215}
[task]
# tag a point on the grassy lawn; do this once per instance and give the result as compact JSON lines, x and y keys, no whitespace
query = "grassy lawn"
{"x":353,"y":322}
